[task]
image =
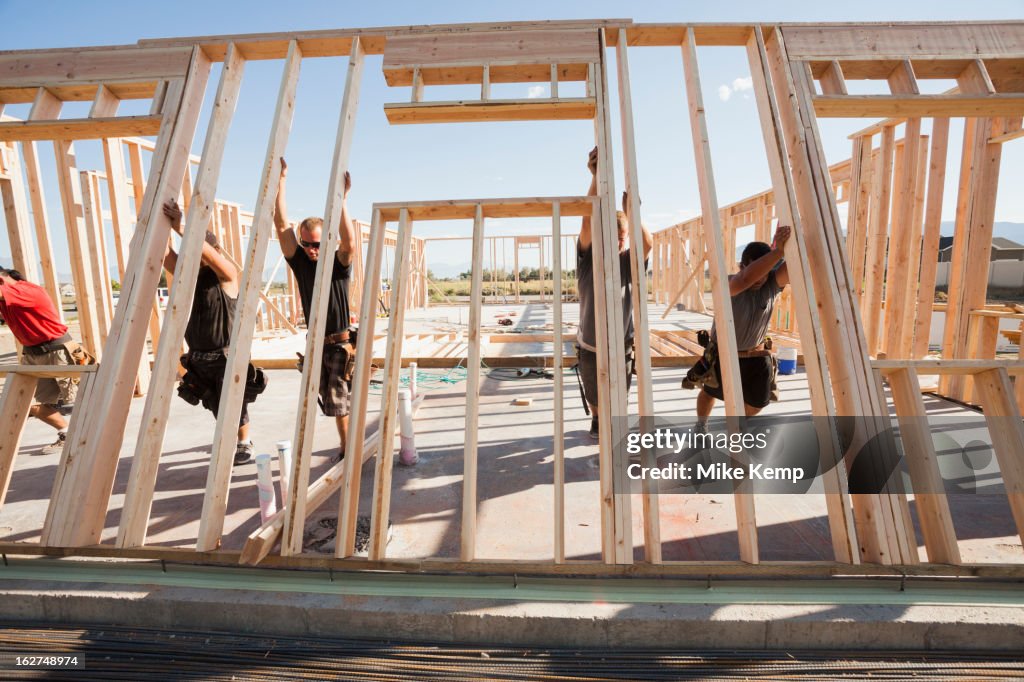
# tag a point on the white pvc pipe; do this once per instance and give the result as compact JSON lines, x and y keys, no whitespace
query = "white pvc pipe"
{"x":407,"y":451}
{"x":265,"y":486}
{"x":284,"y":468}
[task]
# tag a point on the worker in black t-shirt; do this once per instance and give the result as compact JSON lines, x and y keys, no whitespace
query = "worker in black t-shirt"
{"x":208,"y":334}
{"x":586,"y":335}
{"x":301,"y":253}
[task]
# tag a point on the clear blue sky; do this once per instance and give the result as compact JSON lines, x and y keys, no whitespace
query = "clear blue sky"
{"x":391,"y":163}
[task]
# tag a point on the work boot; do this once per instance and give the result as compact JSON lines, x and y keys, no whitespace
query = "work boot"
{"x":594,"y":428}
{"x":243,"y":452}
{"x":57,"y":446}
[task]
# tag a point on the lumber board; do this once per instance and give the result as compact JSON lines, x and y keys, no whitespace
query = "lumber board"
{"x":337,"y":42}
{"x":149,"y":442}
{"x":48,"y":371}
{"x":12,"y":193}
{"x":922,"y":462}
{"x":106,"y":103}
{"x":1007,"y":432}
{"x":56,"y":67}
{"x":870,"y":106}
{"x":79,"y":128}
{"x":897,"y":287}
{"x":485,"y":73}
{"x":92,"y":213}
{"x":15,"y":401}
{"x":955,"y":327}
{"x":910,"y":310}
{"x":878,"y":233}
{"x":465,"y":111}
{"x":467,"y":531}
{"x":955,"y":367}
{"x":90,"y":476}
{"x":558,"y":389}
{"x":74,"y":221}
{"x":81,"y":91}
{"x":638,"y":277}
{"x":616,"y":520}
{"x":896,"y":511}
{"x":380,"y":515}
{"x":305,"y":425}
{"x":348,"y":505}
{"x":930,"y":241}
{"x":724,"y":322}
{"x":859,"y":212}
{"x":842,"y":528}
{"x":453,"y":209}
{"x":33,"y":176}
{"x":843,"y":377}
{"x":211,"y":523}
{"x":576,"y":567}
{"x":901,"y":41}
{"x":524,"y":46}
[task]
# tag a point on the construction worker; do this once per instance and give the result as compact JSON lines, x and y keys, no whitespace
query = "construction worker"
{"x":586,"y":338}
{"x":208,"y":335}
{"x":754,"y":290}
{"x":301,"y":252}
{"x":36,"y":324}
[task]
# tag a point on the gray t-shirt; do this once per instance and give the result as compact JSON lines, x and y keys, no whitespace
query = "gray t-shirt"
{"x":752,"y":313}
{"x":586,"y":335}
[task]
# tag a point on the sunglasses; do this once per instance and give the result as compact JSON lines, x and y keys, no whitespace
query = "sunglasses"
{"x":309,"y":245}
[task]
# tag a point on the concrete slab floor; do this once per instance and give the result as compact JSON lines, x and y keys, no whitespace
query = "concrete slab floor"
{"x":515,"y":492}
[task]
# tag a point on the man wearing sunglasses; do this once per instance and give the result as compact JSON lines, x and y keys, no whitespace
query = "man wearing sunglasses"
{"x":301,"y":252}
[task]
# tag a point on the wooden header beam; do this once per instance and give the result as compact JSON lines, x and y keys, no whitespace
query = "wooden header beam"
{"x":983,"y":40}
{"x":533,"y":207}
{"x":905,"y":106}
{"x":576,"y":108}
{"x":53,"y":68}
{"x":813,"y":44}
{"x":338,"y":42}
{"x":79,"y":128}
{"x":452,"y":58}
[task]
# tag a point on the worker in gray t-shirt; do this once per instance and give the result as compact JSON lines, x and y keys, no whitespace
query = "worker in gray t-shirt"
{"x":753,"y":290}
{"x":586,"y":338}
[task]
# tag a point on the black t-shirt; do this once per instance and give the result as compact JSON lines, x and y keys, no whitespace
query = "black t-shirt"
{"x":586,"y":334}
{"x":209,"y":323}
{"x":337,"y":305}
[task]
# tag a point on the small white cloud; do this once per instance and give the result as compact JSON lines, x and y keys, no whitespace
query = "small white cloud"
{"x":535,"y":91}
{"x":738,"y":85}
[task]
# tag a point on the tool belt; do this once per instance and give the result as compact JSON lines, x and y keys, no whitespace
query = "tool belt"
{"x":195,"y":387}
{"x":79,"y":356}
{"x":702,"y":373}
{"x":347,"y":340}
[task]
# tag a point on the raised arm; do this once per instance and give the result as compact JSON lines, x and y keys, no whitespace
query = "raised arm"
{"x":761,"y":267}
{"x":285,"y":234}
{"x":347,"y":243}
{"x":592,"y":192}
{"x":211,"y":256}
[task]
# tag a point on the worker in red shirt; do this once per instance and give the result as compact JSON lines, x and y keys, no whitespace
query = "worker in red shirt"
{"x":37,"y":326}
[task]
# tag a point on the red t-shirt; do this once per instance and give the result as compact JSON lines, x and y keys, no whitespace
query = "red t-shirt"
{"x":30,"y":313}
